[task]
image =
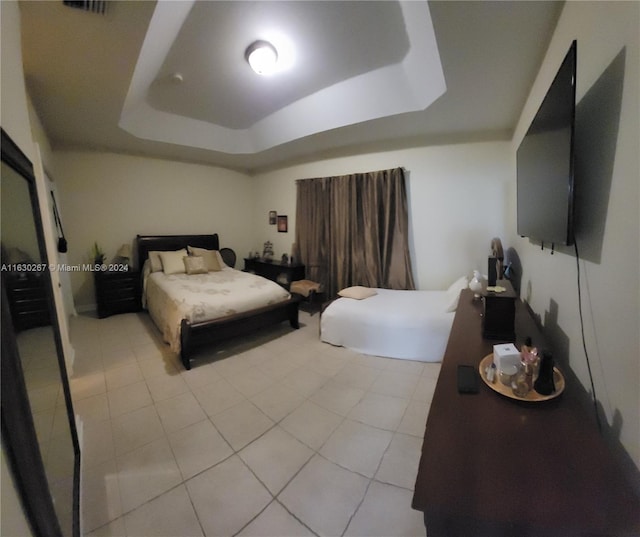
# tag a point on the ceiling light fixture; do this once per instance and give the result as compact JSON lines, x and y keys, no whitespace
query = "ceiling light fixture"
{"x":262,"y":57}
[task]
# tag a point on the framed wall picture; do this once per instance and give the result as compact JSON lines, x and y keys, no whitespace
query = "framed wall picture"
{"x":282,"y":223}
{"x":272,"y":217}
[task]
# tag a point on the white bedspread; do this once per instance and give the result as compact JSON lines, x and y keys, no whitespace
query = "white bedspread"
{"x":413,"y":325}
{"x":203,"y":297}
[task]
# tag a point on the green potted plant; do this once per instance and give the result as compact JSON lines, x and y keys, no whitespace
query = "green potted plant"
{"x":98,"y":254}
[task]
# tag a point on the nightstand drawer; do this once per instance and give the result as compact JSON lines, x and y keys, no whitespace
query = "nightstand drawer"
{"x":26,"y":293}
{"x":31,"y":318}
{"x":124,"y":288}
{"x":29,"y":303}
{"x":117,"y":292}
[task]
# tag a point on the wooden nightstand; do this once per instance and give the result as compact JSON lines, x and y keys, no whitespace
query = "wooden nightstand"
{"x":118,"y":292}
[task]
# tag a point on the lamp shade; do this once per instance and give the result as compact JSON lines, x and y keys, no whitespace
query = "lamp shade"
{"x":124,"y":251}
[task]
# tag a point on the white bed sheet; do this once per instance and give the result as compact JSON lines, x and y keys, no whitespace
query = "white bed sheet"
{"x":204,"y":297}
{"x":411,"y":325}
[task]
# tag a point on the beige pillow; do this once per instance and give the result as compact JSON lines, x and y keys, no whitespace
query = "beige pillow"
{"x":358,"y":292}
{"x":212,"y":258}
{"x":155,"y":261}
{"x":194,"y":264}
{"x":172,"y":262}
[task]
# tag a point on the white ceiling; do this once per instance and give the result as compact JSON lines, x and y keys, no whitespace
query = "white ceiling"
{"x":376,"y":37}
{"x":365,"y":76}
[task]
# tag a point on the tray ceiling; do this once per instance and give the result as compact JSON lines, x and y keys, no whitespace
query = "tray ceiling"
{"x":169,"y":79}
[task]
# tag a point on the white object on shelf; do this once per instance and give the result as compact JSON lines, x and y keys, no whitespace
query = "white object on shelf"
{"x":476,"y":284}
{"x":505,"y":355}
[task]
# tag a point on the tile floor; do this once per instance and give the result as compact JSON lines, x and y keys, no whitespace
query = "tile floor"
{"x":278,"y":435}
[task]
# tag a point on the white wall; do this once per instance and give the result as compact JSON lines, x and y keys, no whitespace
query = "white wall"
{"x":606,"y":183}
{"x":13,"y":108}
{"x":458,"y":201}
{"x":110,"y":198}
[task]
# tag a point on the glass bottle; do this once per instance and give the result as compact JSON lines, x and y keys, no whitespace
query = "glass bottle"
{"x":529,"y":355}
{"x":523,"y":383}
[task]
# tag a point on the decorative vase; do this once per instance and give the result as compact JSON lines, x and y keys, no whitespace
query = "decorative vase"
{"x":544,"y":384}
{"x":476,"y":284}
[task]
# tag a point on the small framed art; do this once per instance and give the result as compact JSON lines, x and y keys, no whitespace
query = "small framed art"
{"x":282,"y":223}
{"x":272,"y":217}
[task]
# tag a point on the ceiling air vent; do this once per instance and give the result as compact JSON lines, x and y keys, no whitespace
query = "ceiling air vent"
{"x":93,"y":6}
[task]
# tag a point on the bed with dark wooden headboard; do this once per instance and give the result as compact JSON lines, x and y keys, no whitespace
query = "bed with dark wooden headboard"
{"x":195,"y":334}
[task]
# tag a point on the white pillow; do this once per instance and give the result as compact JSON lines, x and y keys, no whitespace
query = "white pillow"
{"x":155,"y":261}
{"x":453,"y":293}
{"x":358,"y":292}
{"x":172,"y":262}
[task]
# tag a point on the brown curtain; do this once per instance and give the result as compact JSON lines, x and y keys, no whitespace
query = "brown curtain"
{"x":353,"y":230}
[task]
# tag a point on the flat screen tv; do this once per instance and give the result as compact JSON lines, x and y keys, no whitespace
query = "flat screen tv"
{"x":545,"y":168}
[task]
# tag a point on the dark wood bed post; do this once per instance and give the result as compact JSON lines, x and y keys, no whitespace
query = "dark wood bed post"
{"x":293,"y":313}
{"x":185,"y":344}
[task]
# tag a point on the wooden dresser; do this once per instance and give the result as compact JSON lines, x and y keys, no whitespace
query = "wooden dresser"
{"x":493,"y":466}
{"x":280,"y":273}
{"x":28,"y":300}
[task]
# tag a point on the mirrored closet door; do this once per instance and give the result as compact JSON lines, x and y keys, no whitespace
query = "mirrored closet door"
{"x":38,"y":427}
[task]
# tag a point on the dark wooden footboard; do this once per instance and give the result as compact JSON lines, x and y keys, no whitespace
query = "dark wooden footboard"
{"x":207,"y":332}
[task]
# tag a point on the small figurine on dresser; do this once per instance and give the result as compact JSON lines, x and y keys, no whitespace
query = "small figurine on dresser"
{"x":267,"y":252}
{"x":496,"y":261}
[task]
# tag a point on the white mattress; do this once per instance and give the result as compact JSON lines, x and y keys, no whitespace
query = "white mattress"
{"x":412,"y":325}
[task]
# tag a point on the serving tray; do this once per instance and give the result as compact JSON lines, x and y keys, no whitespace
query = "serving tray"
{"x":532,"y":396}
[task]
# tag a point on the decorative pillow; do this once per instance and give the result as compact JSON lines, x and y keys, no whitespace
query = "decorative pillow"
{"x":358,"y":292}
{"x":453,"y":293}
{"x":212,"y":258}
{"x":172,"y":262}
{"x":155,"y":261}
{"x":194,"y":264}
